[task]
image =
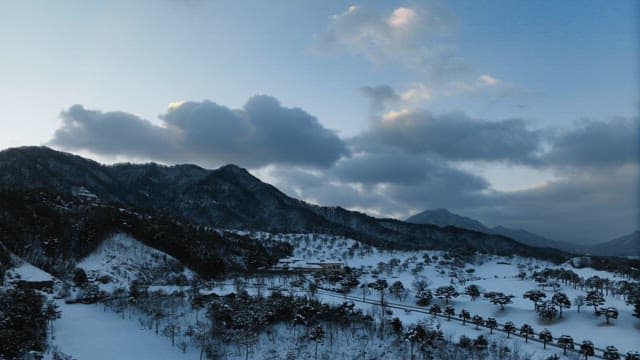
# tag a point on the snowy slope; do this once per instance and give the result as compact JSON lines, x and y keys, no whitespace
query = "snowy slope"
{"x":121,"y":259}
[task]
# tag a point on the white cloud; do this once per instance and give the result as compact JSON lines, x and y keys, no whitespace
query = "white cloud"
{"x":418,"y":93}
{"x":416,"y":39}
{"x":402,"y":18}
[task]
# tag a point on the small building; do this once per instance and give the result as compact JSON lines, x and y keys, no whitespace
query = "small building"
{"x":27,"y":276}
{"x":328,"y":265}
{"x":300,"y":265}
{"x":83,"y":194}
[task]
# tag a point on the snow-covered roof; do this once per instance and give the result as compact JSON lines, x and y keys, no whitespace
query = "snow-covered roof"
{"x":28,"y":272}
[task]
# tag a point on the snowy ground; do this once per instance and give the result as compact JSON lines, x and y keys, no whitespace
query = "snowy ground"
{"x":88,"y":333}
{"x":123,"y":259}
{"x":490,"y":273}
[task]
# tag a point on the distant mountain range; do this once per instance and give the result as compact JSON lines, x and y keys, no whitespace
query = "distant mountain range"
{"x":628,"y":245}
{"x":230,"y":197}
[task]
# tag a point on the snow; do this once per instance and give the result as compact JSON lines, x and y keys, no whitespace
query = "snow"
{"x":26,"y":271}
{"x":124,"y":259}
{"x":491,"y":273}
{"x":88,"y":332}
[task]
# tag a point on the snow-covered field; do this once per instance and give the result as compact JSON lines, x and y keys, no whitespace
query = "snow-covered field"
{"x":88,"y":333}
{"x":96,"y":332}
{"x":490,"y":273}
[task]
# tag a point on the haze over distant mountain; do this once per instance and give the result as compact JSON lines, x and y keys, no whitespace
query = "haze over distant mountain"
{"x":443,"y":218}
{"x":230,"y":197}
{"x":627,"y":245}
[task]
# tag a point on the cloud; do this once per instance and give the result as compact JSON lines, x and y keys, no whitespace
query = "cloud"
{"x":112,"y":133}
{"x":453,"y":136}
{"x":409,"y":37}
{"x":613,"y":142}
{"x":583,"y":207}
{"x":387,"y":183}
{"x":380,"y":96}
{"x":420,"y":41}
{"x":385,"y":167}
{"x":406,"y":161}
{"x":262,"y":133}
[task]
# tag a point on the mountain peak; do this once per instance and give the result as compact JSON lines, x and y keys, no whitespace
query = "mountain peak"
{"x":232,"y":168}
{"x":443,"y":217}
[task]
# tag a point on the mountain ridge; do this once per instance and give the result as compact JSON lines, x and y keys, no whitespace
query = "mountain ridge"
{"x":626,"y":245}
{"x":230,"y":197}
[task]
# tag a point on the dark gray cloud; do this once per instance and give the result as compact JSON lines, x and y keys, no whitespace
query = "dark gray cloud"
{"x":454,"y":136}
{"x":596,"y":144}
{"x":111,"y":133}
{"x":262,"y":133}
{"x":393,"y":167}
{"x":405,"y":162}
{"x":384,"y":183}
{"x":410,"y":163}
{"x":585,"y":207}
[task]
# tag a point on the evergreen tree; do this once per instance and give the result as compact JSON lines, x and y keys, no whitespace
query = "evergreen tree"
{"x":632,"y":355}
{"x":547,"y":310}
{"x":477,"y":320}
{"x":424,"y":298}
{"x":509,"y":327}
{"x":491,"y":323}
{"x":450,"y":311}
{"x":611,"y":353}
{"x":594,"y":298}
{"x":535,"y":296}
{"x":545,"y":336}
{"x":23,"y":323}
{"x":561,"y":300}
{"x":446,"y":293}
{"x":473,"y":291}
{"x":565,"y":342}
{"x":587,"y":349}
{"x":397,"y":289}
{"x":501,"y":300}
{"x":526,"y":330}
{"x":465,"y":316}
{"x":608,"y":313}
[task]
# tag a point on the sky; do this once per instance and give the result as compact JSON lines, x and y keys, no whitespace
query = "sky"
{"x":515,"y":113}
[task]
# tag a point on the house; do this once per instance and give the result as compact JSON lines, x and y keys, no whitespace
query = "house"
{"x":83,"y":194}
{"x":27,"y":276}
{"x":300,"y":265}
{"x":328,"y":265}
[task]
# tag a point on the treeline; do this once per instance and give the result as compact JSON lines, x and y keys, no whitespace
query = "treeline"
{"x":24,"y":315}
{"x":54,"y":231}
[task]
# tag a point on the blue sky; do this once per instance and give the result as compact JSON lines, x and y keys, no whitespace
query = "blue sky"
{"x":562,"y":71}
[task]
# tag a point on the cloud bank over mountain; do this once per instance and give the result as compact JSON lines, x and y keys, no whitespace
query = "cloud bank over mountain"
{"x":405,"y":161}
